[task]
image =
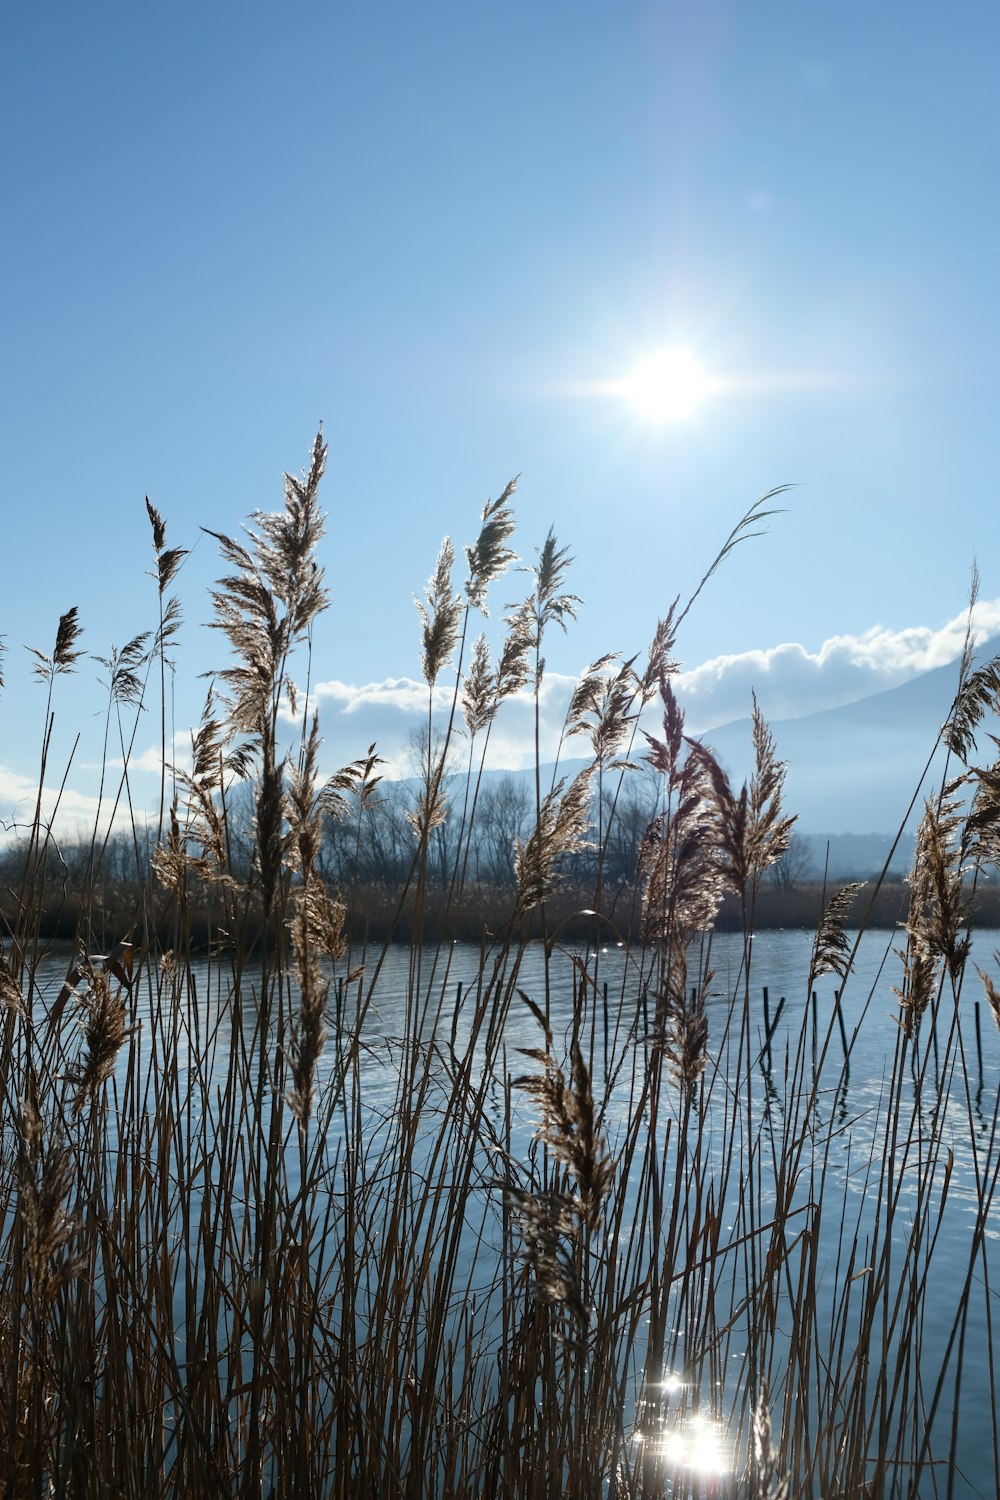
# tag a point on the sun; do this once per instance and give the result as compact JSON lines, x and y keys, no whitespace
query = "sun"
{"x":668,"y":386}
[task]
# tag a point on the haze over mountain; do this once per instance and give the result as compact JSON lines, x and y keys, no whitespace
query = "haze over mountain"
{"x":855,"y":769}
{"x":852,"y":771}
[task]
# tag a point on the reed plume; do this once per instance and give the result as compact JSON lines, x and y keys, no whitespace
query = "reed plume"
{"x":768,"y":1479}
{"x":440,"y":617}
{"x":938,"y":908}
{"x":479,"y":689}
{"x":317,"y":920}
{"x":266,"y":606}
{"x":684,"y":866}
{"x":603,"y":707}
{"x":11,"y":997}
{"x":65,"y":653}
{"x":981,"y":834}
{"x":683,"y":1022}
{"x":561,"y":830}
{"x":552,"y":1220}
{"x":45,"y":1180}
{"x":978,"y":695}
{"x":831,"y":949}
{"x":992,"y":992}
{"x":489,"y":556}
{"x":567,"y":1122}
{"x":168,"y":561}
{"x":513,"y":669}
{"x":104,"y":1033}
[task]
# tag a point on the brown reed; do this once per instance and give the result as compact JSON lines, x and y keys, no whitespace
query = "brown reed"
{"x":258,"y":1240}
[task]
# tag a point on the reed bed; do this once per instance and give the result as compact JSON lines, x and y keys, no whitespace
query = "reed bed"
{"x":576,"y":1242}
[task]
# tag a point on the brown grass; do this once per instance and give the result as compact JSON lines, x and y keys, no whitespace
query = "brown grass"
{"x":233,"y":1266}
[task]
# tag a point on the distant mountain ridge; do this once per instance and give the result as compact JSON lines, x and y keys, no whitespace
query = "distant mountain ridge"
{"x":852,"y":772}
{"x":855,"y":769}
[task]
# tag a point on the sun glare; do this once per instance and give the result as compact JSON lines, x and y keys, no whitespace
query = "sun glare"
{"x":667,"y":386}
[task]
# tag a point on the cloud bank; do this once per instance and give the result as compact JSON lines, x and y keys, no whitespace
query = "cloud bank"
{"x":790,"y":680}
{"x":393,"y":713}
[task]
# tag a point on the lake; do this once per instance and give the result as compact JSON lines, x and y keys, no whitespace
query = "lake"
{"x":811,"y":1114}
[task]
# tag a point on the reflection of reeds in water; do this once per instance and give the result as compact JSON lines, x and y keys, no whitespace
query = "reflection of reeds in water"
{"x":227,"y":1271}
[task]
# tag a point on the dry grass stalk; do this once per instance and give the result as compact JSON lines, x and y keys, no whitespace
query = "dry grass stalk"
{"x":317,"y":922}
{"x":64,"y":654}
{"x":992,"y":992}
{"x":768,"y":1480}
{"x":355,"y":1316}
{"x":560,"y":831}
{"x":749,"y":526}
{"x":440,"y":618}
{"x":489,"y":557}
{"x":938,"y":909}
{"x":831,"y":950}
{"x":45,"y":1181}
{"x":683,"y":1024}
{"x":105,"y":1031}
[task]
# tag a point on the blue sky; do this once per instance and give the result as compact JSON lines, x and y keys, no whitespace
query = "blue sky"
{"x":446,"y":230}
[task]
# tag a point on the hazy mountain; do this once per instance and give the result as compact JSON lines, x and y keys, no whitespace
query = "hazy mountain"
{"x":854,"y":770}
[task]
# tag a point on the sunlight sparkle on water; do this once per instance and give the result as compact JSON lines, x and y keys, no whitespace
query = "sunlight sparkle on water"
{"x":682,"y":1438}
{"x":695,"y":1443}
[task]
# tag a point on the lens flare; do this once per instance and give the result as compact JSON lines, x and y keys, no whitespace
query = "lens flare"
{"x":668,"y":386}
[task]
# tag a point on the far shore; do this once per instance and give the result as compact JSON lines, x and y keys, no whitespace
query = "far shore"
{"x":385,"y":913}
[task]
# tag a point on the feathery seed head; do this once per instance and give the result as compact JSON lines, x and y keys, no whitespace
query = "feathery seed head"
{"x":489,"y":557}
{"x":831,"y":950}
{"x":440,"y":617}
{"x":548,"y":603}
{"x":560,"y":831}
{"x":479,"y":698}
{"x":65,"y":654}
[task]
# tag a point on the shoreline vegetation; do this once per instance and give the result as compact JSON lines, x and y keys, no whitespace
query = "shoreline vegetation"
{"x":377,"y":914}
{"x":228,"y":1269}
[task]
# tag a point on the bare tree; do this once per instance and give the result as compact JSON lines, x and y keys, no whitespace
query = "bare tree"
{"x":503,"y":814}
{"x":795,"y":865}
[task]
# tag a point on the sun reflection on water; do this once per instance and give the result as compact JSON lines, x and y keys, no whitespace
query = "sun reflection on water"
{"x":674,"y":1433}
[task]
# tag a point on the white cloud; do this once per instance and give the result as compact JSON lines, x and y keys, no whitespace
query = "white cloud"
{"x":72,"y":813}
{"x":391,"y":712}
{"x":151,"y":759}
{"x":790,"y":680}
